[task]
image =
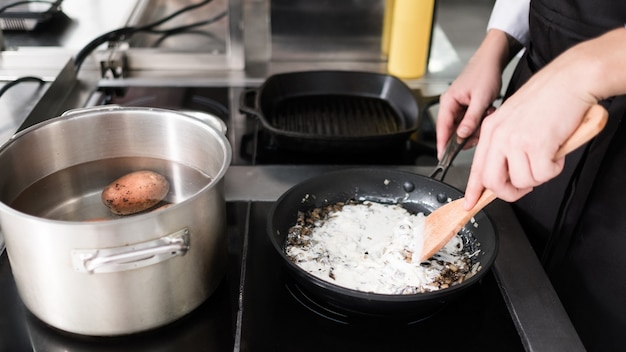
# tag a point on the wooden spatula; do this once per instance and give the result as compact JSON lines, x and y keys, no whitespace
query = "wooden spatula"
{"x":445,"y":222}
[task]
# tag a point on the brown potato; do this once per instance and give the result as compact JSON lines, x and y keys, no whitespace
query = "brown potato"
{"x":135,"y":192}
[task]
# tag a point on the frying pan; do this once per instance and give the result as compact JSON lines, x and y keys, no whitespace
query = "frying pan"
{"x":414,"y":192}
{"x":337,"y":111}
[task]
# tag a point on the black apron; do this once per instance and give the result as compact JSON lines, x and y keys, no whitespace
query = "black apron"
{"x":577,"y":222}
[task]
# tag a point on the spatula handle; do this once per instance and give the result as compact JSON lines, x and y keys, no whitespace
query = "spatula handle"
{"x":593,"y":122}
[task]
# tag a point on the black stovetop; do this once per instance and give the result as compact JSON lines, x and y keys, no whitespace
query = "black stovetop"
{"x":257,"y":307}
{"x":274,"y":314}
{"x":210,"y":327}
{"x":278,"y":315}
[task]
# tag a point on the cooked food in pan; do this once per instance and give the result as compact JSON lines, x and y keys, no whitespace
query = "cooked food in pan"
{"x":375,"y":247}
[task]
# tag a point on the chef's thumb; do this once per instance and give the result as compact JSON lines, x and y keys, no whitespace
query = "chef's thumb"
{"x":470,"y":200}
{"x":473,"y":190}
{"x":472,"y":120}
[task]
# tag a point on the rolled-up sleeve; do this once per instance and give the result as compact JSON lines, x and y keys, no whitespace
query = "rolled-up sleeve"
{"x":511,"y":17}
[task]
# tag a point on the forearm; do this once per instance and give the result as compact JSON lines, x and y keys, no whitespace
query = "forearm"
{"x":602,"y":64}
{"x":497,"y":49}
{"x":588,"y":72}
{"x":511,"y":17}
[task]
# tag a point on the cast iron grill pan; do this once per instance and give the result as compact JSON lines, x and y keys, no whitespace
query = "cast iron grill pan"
{"x":336,"y":111}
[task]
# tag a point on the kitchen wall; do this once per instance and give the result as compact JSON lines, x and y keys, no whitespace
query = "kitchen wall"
{"x":351,"y":29}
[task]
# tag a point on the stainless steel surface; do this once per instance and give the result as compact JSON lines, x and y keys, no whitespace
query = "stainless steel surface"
{"x":148,"y":292}
{"x":15,"y":102}
{"x":67,"y":91}
{"x":348,"y":30}
{"x":218,"y":45}
{"x":266,"y":183}
{"x":155,"y":67}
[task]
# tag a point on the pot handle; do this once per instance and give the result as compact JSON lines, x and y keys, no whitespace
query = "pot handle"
{"x":207,"y":118}
{"x":247,"y":96}
{"x":108,"y":260}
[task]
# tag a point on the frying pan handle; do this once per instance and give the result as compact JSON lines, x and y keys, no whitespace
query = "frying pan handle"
{"x":425,"y":102}
{"x":248,"y":96}
{"x":454,"y":146}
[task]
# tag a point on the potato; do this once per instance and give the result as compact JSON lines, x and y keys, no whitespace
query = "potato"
{"x":135,"y":192}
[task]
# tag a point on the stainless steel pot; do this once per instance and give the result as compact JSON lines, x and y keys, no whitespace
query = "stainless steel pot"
{"x":126,"y":274}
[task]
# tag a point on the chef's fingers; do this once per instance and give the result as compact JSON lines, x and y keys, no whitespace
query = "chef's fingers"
{"x":545,"y":168}
{"x":472,"y":140}
{"x":447,"y":123}
{"x":492,"y":168}
{"x":497,"y":181}
{"x":450,"y":112}
{"x":475,"y":186}
{"x":474,"y":115}
{"x":531,"y":163}
{"x":519,"y":173}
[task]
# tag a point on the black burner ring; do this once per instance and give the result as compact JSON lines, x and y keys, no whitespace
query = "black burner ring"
{"x":340,"y":315}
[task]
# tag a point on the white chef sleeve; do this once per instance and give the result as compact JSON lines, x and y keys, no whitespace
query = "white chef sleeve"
{"x":511,"y":17}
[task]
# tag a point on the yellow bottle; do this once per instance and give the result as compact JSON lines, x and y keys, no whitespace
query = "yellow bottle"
{"x":410,"y":38}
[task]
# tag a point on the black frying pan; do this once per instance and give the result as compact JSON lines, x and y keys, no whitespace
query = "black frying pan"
{"x":337,"y":111}
{"x":416,"y":193}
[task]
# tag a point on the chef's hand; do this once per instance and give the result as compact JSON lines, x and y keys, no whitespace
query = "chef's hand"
{"x":464,"y":103}
{"x":518,"y":143}
{"x":519,"y":140}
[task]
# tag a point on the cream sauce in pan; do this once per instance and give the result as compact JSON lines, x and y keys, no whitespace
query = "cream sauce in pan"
{"x":374,"y":247}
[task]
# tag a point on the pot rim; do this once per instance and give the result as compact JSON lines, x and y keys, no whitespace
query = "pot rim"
{"x":83,"y":113}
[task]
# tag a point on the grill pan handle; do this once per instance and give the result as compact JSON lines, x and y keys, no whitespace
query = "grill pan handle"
{"x":248,"y":96}
{"x":425,"y":102}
